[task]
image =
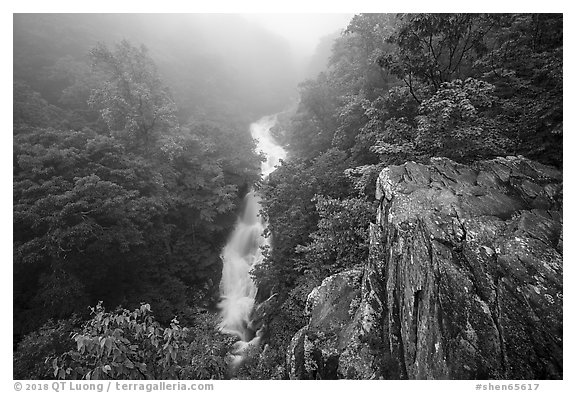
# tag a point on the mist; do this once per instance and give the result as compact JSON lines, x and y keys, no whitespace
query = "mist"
{"x":248,"y":63}
{"x":287,"y":196}
{"x":302,"y":31}
{"x":162,"y":108}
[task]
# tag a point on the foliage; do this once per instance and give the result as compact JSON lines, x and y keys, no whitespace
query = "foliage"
{"x":341,"y":238}
{"x":114,"y":199}
{"x":466,"y":86}
{"x":364,"y":42}
{"x":435,"y":48}
{"x":312,"y":128}
{"x":133,"y":345}
{"x":263,"y":364}
{"x":132,"y":102}
{"x":30,"y":109}
{"x":32,"y":354}
{"x":229,"y":76}
{"x":289,"y":205}
{"x":85,"y":211}
{"x":390,"y":129}
{"x":364,"y":177}
{"x":78,"y":80}
{"x":402,"y":88}
{"x":100,"y":216}
{"x":352,"y":113}
{"x":455,"y":122}
{"x":525,"y":65}
{"x":207,"y":349}
{"x":126,"y":199}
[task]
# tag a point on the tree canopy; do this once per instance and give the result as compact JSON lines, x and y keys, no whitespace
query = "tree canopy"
{"x":131,"y":209}
{"x":400,"y":88}
{"x":130,"y":164}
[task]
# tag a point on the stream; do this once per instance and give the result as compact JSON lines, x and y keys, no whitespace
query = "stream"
{"x":244,"y":251}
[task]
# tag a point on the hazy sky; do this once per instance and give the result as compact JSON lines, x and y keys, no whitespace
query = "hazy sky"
{"x":302,"y":30}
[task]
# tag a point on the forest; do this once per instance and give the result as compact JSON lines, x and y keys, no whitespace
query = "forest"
{"x":132,"y":156}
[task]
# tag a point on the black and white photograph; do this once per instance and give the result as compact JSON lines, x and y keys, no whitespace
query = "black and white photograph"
{"x":203,"y":196}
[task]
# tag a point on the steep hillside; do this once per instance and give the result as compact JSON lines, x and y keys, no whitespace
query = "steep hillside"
{"x":464,"y":280}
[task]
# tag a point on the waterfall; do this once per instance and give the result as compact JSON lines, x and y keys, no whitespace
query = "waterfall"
{"x":244,"y":251}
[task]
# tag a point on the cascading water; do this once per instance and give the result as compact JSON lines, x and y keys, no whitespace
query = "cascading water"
{"x":243,"y":251}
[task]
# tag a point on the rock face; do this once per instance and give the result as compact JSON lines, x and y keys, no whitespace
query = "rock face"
{"x":464,"y":280}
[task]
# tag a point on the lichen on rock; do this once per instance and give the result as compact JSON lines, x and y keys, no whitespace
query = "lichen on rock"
{"x":464,"y":279}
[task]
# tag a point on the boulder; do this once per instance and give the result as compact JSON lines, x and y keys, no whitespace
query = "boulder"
{"x":463,"y":281}
{"x":315,"y":349}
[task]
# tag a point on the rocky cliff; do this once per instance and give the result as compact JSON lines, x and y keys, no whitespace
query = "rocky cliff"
{"x":464,"y":280}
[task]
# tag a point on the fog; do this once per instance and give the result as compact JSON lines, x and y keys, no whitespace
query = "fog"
{"x":214,"y":63}
{"x":302,"y":31}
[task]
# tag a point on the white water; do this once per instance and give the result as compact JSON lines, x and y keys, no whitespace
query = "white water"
{"x":243,"y":251}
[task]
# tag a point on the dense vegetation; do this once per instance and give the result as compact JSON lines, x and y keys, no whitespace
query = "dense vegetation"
{"x":125,"y":190}
{"x":126,"y":185}
{"x":132,"y":210}
{"x":399,"y":88}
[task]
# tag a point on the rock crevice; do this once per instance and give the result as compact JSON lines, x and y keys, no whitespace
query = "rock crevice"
{"x":463,"y":280}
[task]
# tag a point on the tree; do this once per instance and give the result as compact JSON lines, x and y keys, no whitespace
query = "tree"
{"x":356,"y":57}
{"x":436,"y":48}
{"x":401,"y":88}
{"x":455,"y":123}
{"x":341,"y":238}
{"x":133,"y":102}
{"x":31,"y":110}
{"x":84,"y":212}
{"x":51,"y":340}
{"x":312,"y":128}
{"x":525,"y":66}
{"x":389,"y":129}
{"x":105,"y":217}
